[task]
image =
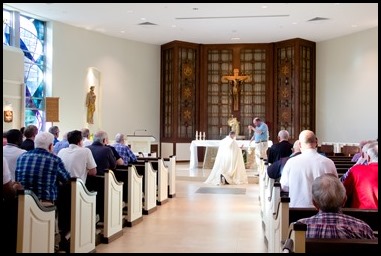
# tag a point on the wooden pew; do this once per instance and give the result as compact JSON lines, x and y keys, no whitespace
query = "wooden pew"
{"x":263,"y":179}
{"x":132,"y":193}
{"x":83,"y":218}
{"x":340,"y":158}
{"x":328,"y":150}
{"x":350,"y":150}
{"x":268,"y":209}
{"x":110,"y":203}
{"x":279,"y":212}
{"x":171,"y":163}
{"x":301,"y":244}
{"x":343,"y":161}
{"x":344,"y":165}
{"x":77,"y":214}
{"x":149,"y":186}
{"x":29,"y":226}
{"x":113,"y":204}
{"x":162,"y":178}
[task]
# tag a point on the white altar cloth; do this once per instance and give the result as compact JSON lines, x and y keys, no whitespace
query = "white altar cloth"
{"x":193,"y":162}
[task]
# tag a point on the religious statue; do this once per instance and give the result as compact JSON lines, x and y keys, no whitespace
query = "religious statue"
{"x":234,"y":124}
{"x":236,"y":81}
{"x":90,"y":104}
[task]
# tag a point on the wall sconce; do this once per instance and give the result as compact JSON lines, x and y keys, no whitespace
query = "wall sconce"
{"x":8,"y":113}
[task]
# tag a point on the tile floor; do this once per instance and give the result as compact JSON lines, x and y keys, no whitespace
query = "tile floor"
{"x":194,"y":222}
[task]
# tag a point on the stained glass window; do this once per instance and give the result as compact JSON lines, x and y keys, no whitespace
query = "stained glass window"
{"x":31,"y":34}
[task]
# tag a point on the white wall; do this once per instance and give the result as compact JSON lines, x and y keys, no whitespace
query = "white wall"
{"x":13,"y":85}
{"x":128,"y":97}
{"x":347,"y":88}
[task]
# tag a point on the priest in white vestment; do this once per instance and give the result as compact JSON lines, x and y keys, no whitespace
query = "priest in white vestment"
{"x":229,"y":167}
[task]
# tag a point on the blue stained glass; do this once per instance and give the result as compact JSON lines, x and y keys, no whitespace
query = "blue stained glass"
{"x":6,"y":28}
{"x":32,"y":39}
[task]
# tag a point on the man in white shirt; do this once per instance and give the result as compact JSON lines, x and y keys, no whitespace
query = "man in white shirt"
{"x":86,"y":137}
{"x":79,"y":161}
{"x":300,"y":171}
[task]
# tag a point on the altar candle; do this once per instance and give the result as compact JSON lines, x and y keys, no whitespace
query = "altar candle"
{"x":204,"y":136}
{"x":200,"y":136}
{"x":220,"y":131}
{"x":196,"y":135}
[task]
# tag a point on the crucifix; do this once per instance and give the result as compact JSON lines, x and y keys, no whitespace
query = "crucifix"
{"x":236,"y":80}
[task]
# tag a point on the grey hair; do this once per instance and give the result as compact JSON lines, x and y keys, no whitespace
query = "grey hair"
{"x":64,"y":136}
{"x":372,"y":152}
{"x":119,"y":137}
{"x":100,"y":136}
{"x":368,"y":145}
{"x":85,"y":132}
{"x":43,"y":140}
{"x":54,"y":130}
{"x":283,"y":135}
{"x":328,"y":193}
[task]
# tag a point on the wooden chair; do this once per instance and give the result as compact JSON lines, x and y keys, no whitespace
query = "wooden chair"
{"x":328,"y":150}
{"x":350,"y":150}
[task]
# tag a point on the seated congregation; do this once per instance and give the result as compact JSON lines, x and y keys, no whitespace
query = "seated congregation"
{"x":306,"y":190}
{"x":303,"y":193}
{"x":79,"y":201}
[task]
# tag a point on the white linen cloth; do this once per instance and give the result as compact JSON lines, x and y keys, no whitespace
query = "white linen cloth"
{"x":229,"y":162}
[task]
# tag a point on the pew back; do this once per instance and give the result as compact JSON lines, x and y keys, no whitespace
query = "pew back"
{"x":132,"y":193}
{"x":149,"y":186}
{"x":35,"y":224}
{"x":83,"y":218}
{"x":162,"y":178}
{"x":113,"y":205}
{"x":301,"y":244}
{"x":171,"y":163}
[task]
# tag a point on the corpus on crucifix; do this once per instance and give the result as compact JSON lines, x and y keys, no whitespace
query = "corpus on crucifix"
{"x":236,"y":81}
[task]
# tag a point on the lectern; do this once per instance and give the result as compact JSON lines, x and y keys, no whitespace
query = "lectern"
{"x":140,"y":143}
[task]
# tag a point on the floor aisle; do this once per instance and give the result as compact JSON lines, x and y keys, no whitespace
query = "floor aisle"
{"x":213,"y":219}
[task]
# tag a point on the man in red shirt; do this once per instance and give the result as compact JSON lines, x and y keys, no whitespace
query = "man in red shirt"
{"x":361,"y":183}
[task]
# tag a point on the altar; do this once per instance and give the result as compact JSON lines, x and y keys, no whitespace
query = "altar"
{"x":193,"y":161}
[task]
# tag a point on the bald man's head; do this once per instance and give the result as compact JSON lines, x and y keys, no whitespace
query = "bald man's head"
{"x":307,"y":139}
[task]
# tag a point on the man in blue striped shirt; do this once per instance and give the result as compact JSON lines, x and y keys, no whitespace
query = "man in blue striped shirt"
{"x":40,"y":170}
{"x":123,"y":149}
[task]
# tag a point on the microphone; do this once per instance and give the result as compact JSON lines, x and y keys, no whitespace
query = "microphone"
{"x":141,"y":130}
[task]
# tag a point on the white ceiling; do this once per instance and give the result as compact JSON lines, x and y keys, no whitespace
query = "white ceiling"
{"x":209,"y":23}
